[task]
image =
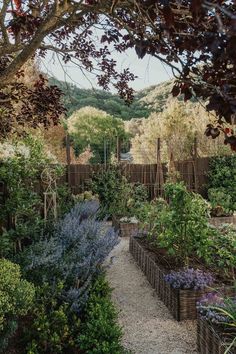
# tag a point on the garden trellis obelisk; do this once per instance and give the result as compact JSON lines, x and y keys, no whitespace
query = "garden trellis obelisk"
{"x":48,"y":178}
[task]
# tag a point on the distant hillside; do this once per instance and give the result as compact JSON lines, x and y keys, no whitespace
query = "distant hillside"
{"x":76,"y":98}
{"x":153,"y":98}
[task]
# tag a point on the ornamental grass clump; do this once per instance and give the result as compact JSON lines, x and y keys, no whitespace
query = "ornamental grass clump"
{"x":189,"y":278}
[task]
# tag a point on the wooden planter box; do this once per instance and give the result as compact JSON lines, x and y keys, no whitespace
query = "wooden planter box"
{"x":128,"y":229}
{"x":181,"y":303}
{"x":125,"y":229}
{"x":209,"y":341}
{"x":217,"y":221}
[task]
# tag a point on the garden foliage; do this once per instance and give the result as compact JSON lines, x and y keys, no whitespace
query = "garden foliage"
{"x":220,"y":311}
{"x":117,"y":196}
{"x":73,"y":254}
{"x":182,"y":227}
{"x":16,"y":299}
{"x":100,"y":333}
{"x":222,"y":184}
{"x":20,"y":170}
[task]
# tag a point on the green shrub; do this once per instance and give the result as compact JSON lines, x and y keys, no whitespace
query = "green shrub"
{"x":54,"y":328}
{"x":100,"y":333}
{"x":117,"y":196}
{"x":22,"y":162}
{"x":222,"y":182}
{"x":181,"y":226}
{"x":222,"y":250}
{"x":16,"y":299}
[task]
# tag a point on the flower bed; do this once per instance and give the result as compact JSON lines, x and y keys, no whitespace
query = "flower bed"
{"x":210,"y":340}
{"x":180,"y":302}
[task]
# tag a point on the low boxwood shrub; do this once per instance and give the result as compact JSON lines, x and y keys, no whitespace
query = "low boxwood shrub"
{"x":100,"y":333}
{"x":16,"y":299}
{"x":53,"y":327}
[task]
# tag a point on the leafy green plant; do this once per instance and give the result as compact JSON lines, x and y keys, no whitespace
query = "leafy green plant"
{"x":117,"y":196}
{"x":222,"y":203}
{"x":20,"y":170}
{"x":100,"y":333}
{"x":222,"y":250}
{"x":54,"y":328}
{"x":222,"y":182}
{"x":181,"y":226}
{"x":16,"y":299}
{"x":149,"y":215}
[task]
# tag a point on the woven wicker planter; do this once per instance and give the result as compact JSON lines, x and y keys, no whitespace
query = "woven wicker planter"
{"x":217,"y":221}
{"x":125,"y":229}
{"x":181,"y":303}
{"x":128,"y":229}
{"x":209,"y":341}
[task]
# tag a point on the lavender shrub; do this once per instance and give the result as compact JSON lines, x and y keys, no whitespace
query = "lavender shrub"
{"x":74,"y":254}
{"x":189,"y":279}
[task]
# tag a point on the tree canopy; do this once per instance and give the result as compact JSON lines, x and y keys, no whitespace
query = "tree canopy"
{"x":95,"y":129}
{"x":196,"y":38}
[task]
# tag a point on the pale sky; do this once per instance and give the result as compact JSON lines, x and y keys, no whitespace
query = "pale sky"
{"x":149,"y":70}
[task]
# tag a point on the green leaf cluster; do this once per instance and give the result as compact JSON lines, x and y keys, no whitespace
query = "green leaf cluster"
{"x":222,"y":184}
{"x":117,"y":196}
{"x":100,"y":333}
{"x":54,"y":328}
{"x":16,"y":299}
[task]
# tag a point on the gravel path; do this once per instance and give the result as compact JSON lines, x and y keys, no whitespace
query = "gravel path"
{"x":148,"y":327}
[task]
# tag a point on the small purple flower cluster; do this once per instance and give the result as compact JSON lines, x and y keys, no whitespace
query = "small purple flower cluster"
{"x":207,"y":308}
{"x":189,"y":278}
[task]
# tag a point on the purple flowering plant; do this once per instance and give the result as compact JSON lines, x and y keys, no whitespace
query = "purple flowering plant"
{"x":189,"y":278}
{"x":221,"y":311}
{"x":218,"y":309}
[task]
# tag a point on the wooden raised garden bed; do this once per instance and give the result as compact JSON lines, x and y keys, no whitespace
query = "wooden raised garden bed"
{"x":211,"y":340}
{"x":219,"y":220}
{"x":181,"y":303}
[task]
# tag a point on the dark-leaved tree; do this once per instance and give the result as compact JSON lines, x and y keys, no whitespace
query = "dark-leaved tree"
{"x":196,"y":38}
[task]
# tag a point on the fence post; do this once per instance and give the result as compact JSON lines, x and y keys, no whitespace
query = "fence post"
{"x":105,"y":153}
{"x":68,"y":159}
{"x":118,"y":149}
{"x":159,"y":171}
{"x":195,"y":163}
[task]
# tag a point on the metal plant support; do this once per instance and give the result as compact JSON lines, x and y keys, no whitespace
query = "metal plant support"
{"x":49,"y":178}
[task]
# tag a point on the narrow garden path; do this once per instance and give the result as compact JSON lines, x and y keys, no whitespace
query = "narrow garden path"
{"x":148,"y":327}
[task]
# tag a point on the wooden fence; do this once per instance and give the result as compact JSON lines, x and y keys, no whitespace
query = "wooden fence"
{"x":153,"y":176}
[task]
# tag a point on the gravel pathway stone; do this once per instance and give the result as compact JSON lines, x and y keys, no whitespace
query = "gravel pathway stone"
{"x":147,"y":325}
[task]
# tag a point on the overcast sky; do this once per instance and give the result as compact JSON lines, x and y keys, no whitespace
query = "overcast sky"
{"x":149,"y":70}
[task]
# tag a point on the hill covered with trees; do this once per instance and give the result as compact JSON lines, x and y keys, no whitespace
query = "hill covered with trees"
{"x":76,"y":98}
{"x":146,"y":101}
